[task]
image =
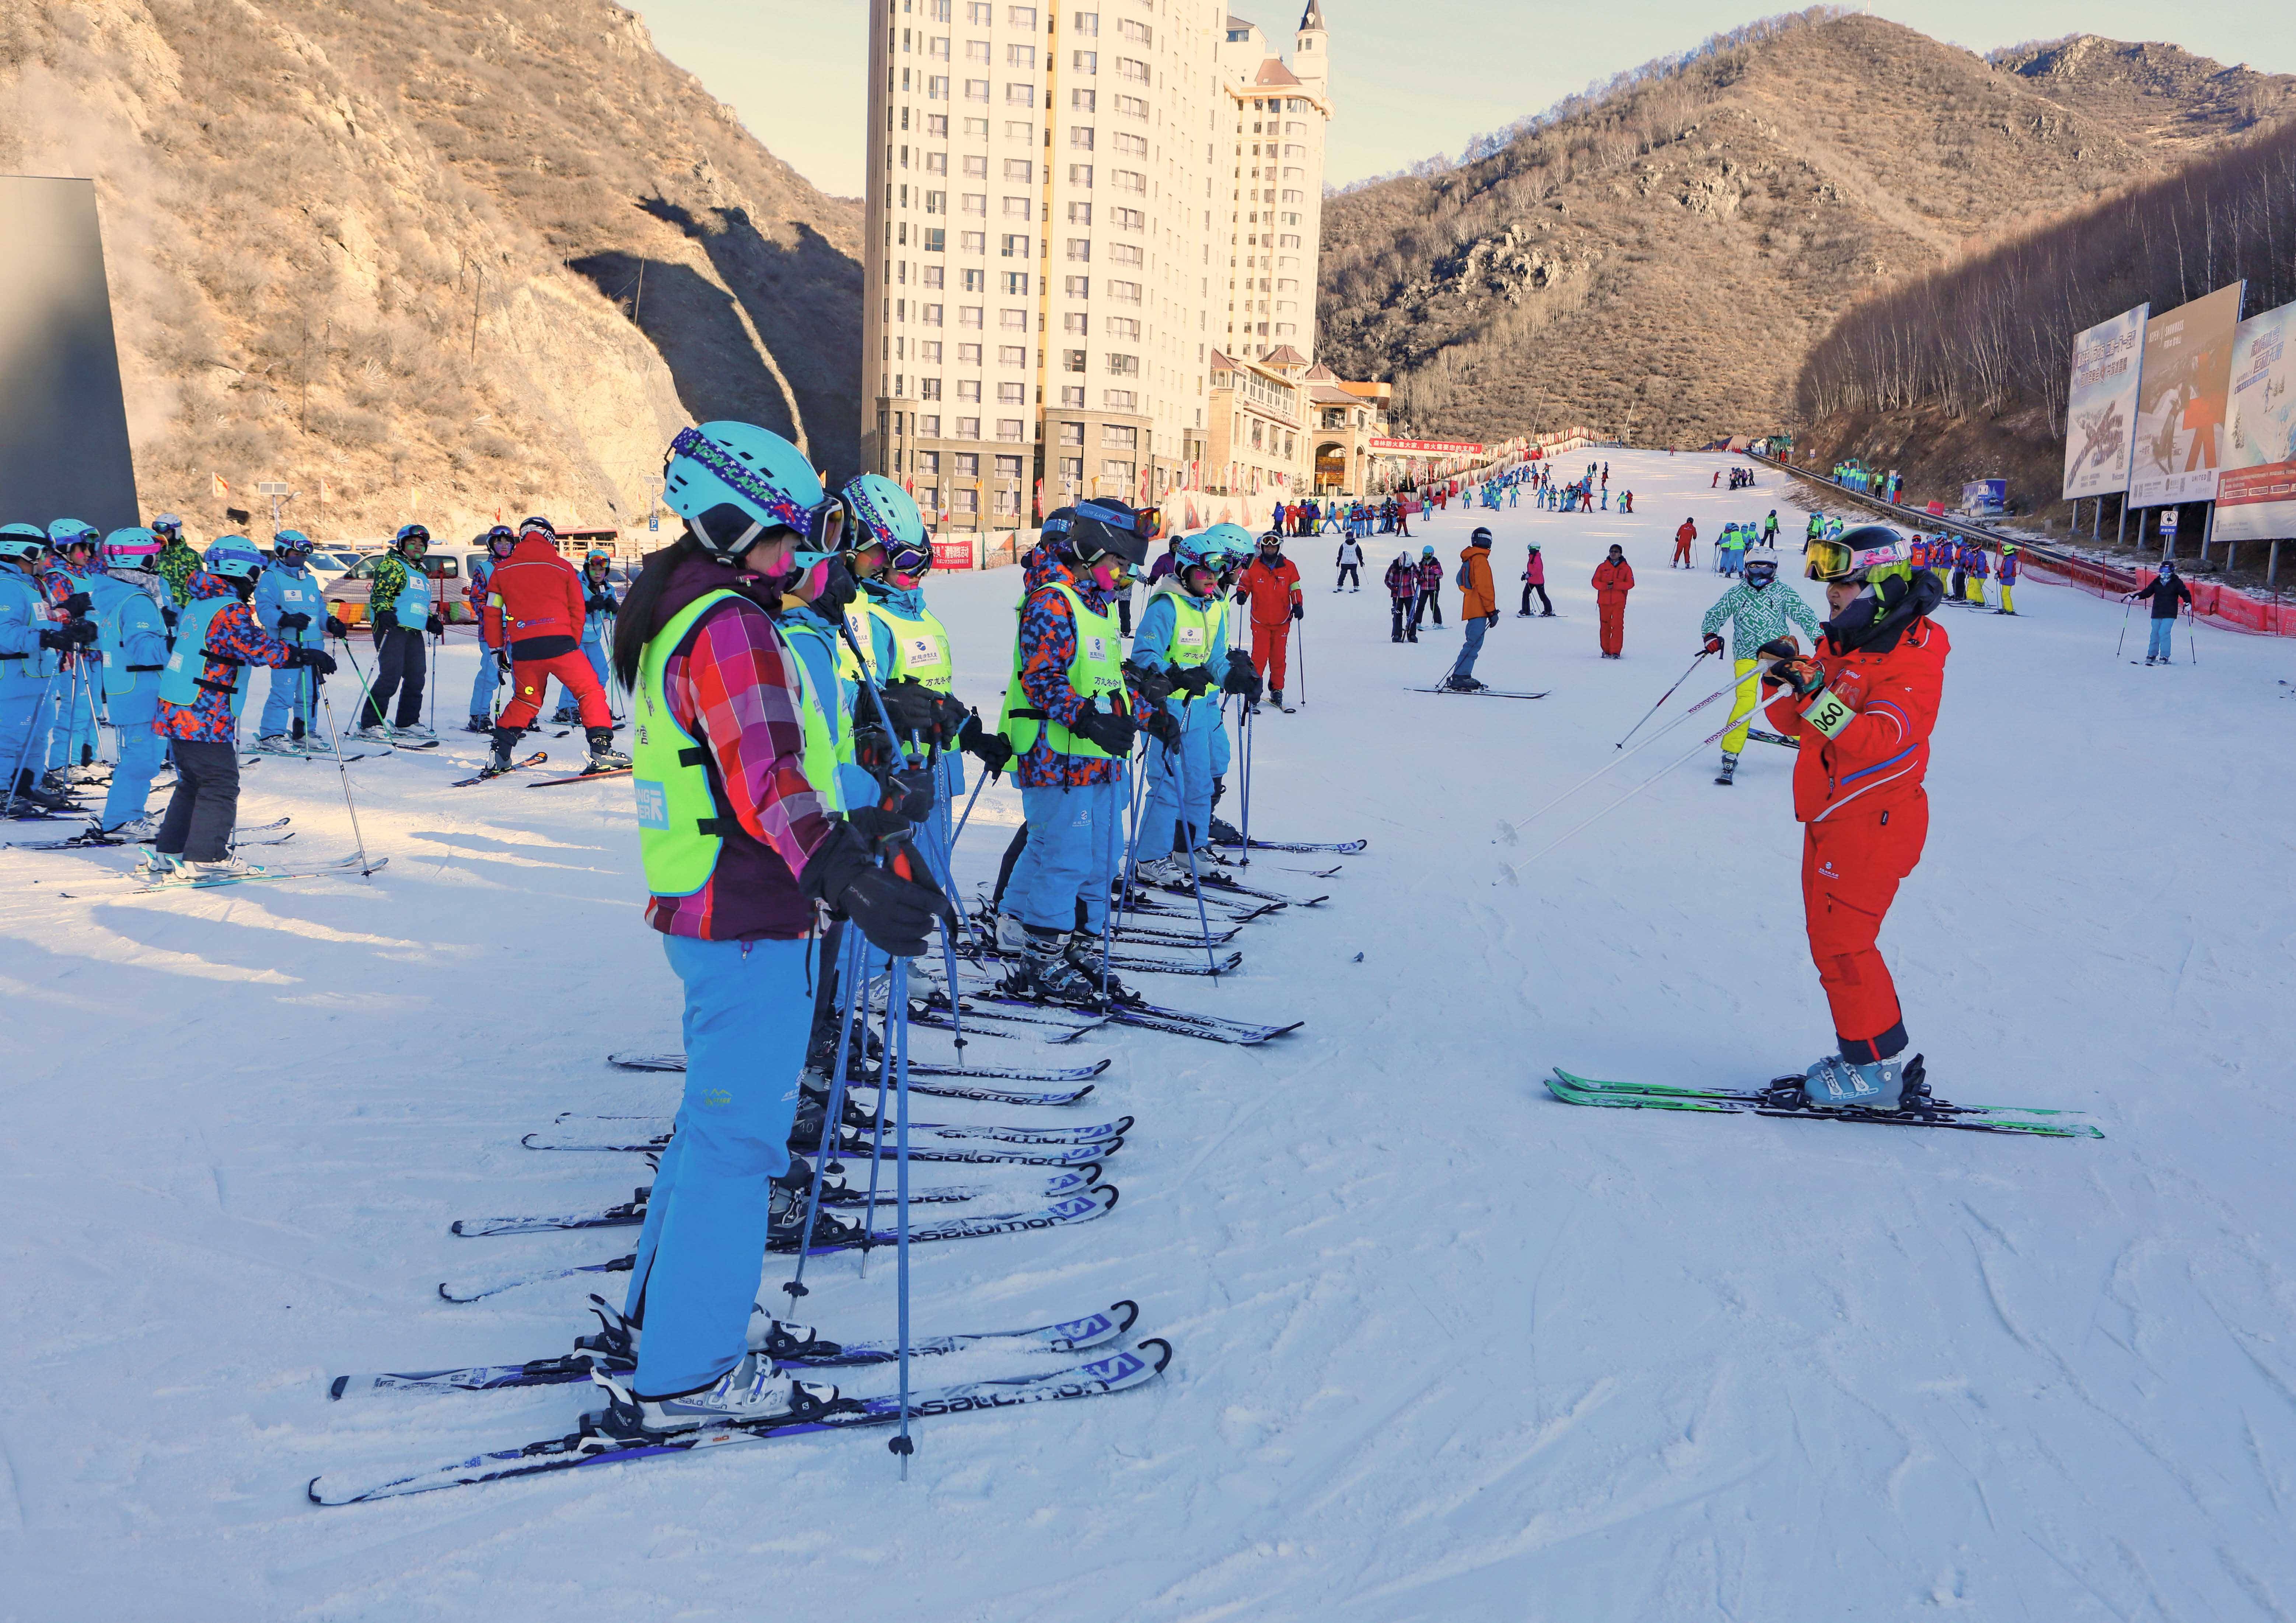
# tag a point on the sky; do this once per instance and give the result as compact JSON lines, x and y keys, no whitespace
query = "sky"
{"x":1409,"y":81}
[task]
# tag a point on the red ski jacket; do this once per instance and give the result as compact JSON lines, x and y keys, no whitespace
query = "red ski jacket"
{"x":534,"y":594}
{"x":1881,"y":757}
{"x":1271,"y":593}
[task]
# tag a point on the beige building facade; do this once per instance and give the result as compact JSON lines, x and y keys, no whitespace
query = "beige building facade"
{"x":1069,"y":209}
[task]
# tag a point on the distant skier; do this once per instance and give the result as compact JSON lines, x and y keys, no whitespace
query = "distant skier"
{"x":1403,"y":599}
{"x":1431,"y":586}
{"x":1862,"y":708}
{"x":1614,"y":578}
{"x":1270,"y":584}
{"x":2166,"y":590}
{"x":1351,"y":566}
{"x":1534,"y":579}
{"x":2008,"y":577}
{"x":1758,"y":610}
{"x":1683,"y":537}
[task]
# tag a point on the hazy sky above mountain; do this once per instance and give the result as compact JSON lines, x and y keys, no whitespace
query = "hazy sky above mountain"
{"x":1410,"y":80}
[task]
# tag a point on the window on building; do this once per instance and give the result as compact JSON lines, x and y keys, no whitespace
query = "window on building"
{"x":1072,"y":433}
{"x":937,"y":90}
{"x":1136,"y":31}
{"x":1020,"y":130}
{"x":1008,"y":467}
{"x":928,"y":462}
{"x":1020,"y":56}
{"x":968,"y":354}
{"x":1117,"y":399}
{"x":930,"y":350}
{"x":1127,"y":180}
{"x":1084,"y":100}
{"x":1080,"y":137}
{"x":1125,"y":253}
{"x":1016,"y":284}
{"x":930,"y":314}
{"x":1020,"y":96}
{"x":1132,"y":106}
{"x":1137,"y":146}
{"x":1072,"y":468}
{"x":968,"y":389}
{"x":936,"y":123}
{"x":974,"y":202}
{"x":1081,"y":175}
{"x":1290,"y":241}
{"x":1123,"y":365}
{"x":1010,"y":429}
{"x":1079,"y":287}
{"x":976,"y":90}
{"x":928,"y":389}
{"x":935,"y":242}
{"x":1021,"y":170}
{"x":970,"y":315}
{"x":938,"y":46}
{"x":979,"y":11}
{"x":1072,"y":397}
{"x":975,"y":281}
{"x":1086,"y":22}
{"x":964,"y":503}
{"x":1011,"y":355}
{"x":1129,"y":219}
{"x":1257,"y":427}
{"x":931,"y":274}
{"x":967,"y":464}
{"x":1122,"y":327}
{"x":1084,"y":62}
{"x":1007,"y":500}
{"x":1019,"y":208}
{"x":928,"y":426}
{"x":1020,"y":17}
{"x":1127,"y":292}
{"x":1116,"y":470}
{"x":975,"y":242}
{"x":969,"y":428}
{"x":1013,"y":321}
{"x":1079,"y":214}
{"x":1080,"y":248}
{"x":936,"y":202}
{"x":937,"y":9}
{"x":1016,"y":245}
{"x":1012,"y":394}
{"x":1129,"y":69}
{"x":936,"y":163}
{"x":1071,"y":360}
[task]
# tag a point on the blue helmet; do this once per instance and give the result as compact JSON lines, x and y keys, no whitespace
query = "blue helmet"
{"x":290,"y":541}
{"x":733,"y":481}
{"x":232,"y":557}
{"x":26,"y":542}
{"x":132,"y":548}
{"x":406,"y":532}
{"x":71,"y":532}
{"x":879,"y":512}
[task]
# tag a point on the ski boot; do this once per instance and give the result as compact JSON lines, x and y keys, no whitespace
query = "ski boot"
{"x":500,"y":762}
{"x":480,"y":723}
{"x":1045,"y":975}
{"x":414,"y":733}
{"x":134,"y":831}
{"x":155,"y":866}
{"x":1836,"y":1084}
{"x":1164,"y":872}
{"x":1464,"y":684}
{"x":752,"y":1393}
{"x":1729,"y":769}
{"x":1012,"y":936}
{"x":603,"y":756}
{"x":1083,"y":952}
{"x":38,"y":797}
{"x":372,"y":732}
{"x":215,"y":872}
{"x":277,"y":743}
{"x":1225,"y":832}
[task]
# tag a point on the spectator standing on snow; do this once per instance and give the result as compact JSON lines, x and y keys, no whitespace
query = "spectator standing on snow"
{"x":2166,"y":590}
{"x":1614,"y":578}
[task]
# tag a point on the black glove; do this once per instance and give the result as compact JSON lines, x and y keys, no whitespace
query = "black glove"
{"x":993,"y":751}
{"x":907,"y":795}
{"x":1241,"y":678}
{"x":912,"y":706}
{"x":1299,"y":612}
{"x":1193,"y":680}
{"x":336,"y":628}
{"x":294,"y":622}
{"x":78,"y":603}
{"x":502,"y":672}
{"x":1153,"y":686}
{"x":435,"y":625}
{"x":875,"y":824}
{"x":1779,"y":648}
{"x":312,"y":658}
{"x":1164,"y":727}
{"x":1713,"y":644}
{"x":1112,"y":732}
{"x":1219,"y":788}
{"x":894,"y":906}
{"x":598,"y":602}
{"x":63,"y":639}
{"x":385,"y":621}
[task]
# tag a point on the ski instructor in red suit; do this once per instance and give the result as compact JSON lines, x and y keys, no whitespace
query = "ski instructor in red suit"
{"x":1270,"y":584}
{"x":1614,"y":578}
{"x":534,"y":611}
{"x":1862,"y":710}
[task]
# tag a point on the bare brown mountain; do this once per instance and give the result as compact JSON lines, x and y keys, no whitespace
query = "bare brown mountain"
{"x":1656,"y":259}
{"x":397,"y":245}
{"x":2161,"y":95}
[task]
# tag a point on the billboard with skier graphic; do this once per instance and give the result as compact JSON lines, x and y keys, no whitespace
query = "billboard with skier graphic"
{"x":2180,"y":400}
{"x":2256,"y":499}
{"x":2101,"y":406}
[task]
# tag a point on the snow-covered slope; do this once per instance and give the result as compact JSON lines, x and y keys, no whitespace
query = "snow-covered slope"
{"x":1447,"y":1348}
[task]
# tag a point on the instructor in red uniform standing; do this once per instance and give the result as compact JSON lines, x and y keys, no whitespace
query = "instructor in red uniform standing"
{"x":534,"y":612}
{"x":1862,"y":710}
{"x":1614,"y":578}
{"x":1270,"y":584}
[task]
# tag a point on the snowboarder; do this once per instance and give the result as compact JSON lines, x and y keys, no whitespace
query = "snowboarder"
{"x":1684,"y":535}
{"x":1350,"y":565}
{"x":1614,"y":578}
{"x":1479,"y":609}
{"x":290,"y":605}
{"x":134,"y":642}
{"x":200,"y":693}
{"x":400,"y":614}
{"x":1758,"y":608}
{"x":740,"y":844}
{"x":1071,"y":718}
{"x":2166,"y":590}
{"x":1534,"y":579}
{"x":1862,"y":708}
{"x":535,"y":602}
{"x":1271,"y":585}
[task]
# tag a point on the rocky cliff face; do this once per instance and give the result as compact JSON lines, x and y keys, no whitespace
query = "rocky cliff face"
{"x":1657,"y":261}
{"x":454,"y":260}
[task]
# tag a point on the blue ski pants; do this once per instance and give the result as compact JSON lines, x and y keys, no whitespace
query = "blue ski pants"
{"x":71,"y":724}
{"x":1076,"y":840}
{"x":141,"y":750}
{"x":483,"y":685}
{"x":20,"y":708}
{"x":568,"y":710}
{"x":748,"y":1010}
{"x":2158,"y":648}
{"x":1476,"y":626}
{"x":291,"y":694}
{"x":1183,"y":786}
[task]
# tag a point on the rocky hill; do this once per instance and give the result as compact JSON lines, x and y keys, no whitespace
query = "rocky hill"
{"x":1656,"y":259}
{"x":397,"y":245}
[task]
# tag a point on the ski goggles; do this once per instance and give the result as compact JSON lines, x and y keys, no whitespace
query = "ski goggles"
{"x":1830,"y":561}
{"x":820,"y":528}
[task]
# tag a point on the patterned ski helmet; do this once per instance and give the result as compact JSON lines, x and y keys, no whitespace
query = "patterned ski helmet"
{"x":132,"y":548}
{"x":232,"y":557}
{"x":407,"y":535}
{"x":733,"y":481}
{"x":290,"y":541}
{"x":879,"y":512}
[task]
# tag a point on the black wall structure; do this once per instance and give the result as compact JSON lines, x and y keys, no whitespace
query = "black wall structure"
{"x":64,"y":422}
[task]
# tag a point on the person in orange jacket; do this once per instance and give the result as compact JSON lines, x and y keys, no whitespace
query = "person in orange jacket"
{"x":535,"y":612}
{"x":1479,"y":609}
{"x":1270,"y":584}
{"x":1614,"y":578}
{"x":1683,"y":537}
{"x":1862,"y":708}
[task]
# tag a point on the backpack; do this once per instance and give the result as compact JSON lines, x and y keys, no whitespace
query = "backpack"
{"x":1460,"y":579}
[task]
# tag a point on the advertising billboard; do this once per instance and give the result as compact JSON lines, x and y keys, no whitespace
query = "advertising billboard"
{"x":2256,"y":499}
{"x":2100,"y":407}
{"x":2181,"y":400}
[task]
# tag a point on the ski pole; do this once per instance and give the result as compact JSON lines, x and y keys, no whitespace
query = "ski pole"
{"x":1302,"y":624}
{"x":367,"y":690}
{"x":902,"y":1445}
{"x":2127,"y":603}
{"x":1131,"y":853}
{"x":1509,"y":873}
{"x":2192,"y":633}
{"x":434,"y":642}
{"x":342,"y":766}
{"x":16,"y":775}
{"x":831,"y":1122}
{"x":1195,"y":875}
{"x":1135,"y":793}
{"x":961,"y":821}
{"x":1245,"y":861}
{"x":1663,"y":697}
{"x":1508,"y":831}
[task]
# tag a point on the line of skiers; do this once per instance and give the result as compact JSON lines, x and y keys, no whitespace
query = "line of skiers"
{"x":1355,"y":520}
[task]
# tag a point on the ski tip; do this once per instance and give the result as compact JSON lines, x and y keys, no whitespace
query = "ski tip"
{"x":1108,"y":1191}
{"x":1087,"y":1176}
{"x":311,"y":1491}
{"x":1123,"y":1126}
{"x":335,"y":1388}
{"x":529,"y":1140}
{"x":1127,"y":1313}
{"x":1161,"y":1357}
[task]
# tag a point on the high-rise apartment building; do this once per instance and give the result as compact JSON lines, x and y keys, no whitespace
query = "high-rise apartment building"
{"x":1070,"y":208}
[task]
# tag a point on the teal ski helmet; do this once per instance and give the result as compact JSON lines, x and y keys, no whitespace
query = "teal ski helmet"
{"x":734,"y":481}
{"x":234,"y":558}
{"x":880,"y":512}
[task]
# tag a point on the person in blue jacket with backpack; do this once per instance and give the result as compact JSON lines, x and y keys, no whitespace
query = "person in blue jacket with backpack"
{"x":291,"y":606}
{"x":132,"y":635}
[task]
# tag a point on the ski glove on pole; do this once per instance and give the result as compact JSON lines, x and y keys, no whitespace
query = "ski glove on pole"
{"x":1241,"y":678}
{"x":993,"y":751}
{"x":1164,"y":727}
{"x":1152,"y":685}
{"x":894,"y":906}
{"x":1193,"y":680}
{"x":1113,"y":733}
{"x":312,"y":658}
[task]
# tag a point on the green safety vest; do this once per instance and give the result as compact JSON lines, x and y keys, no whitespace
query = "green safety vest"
{"x":1195,"y":624}
{"x":184,"y":678}
{"x":680,"y":825}
{"x":920,"y":646}
{"x":1096,"y":672}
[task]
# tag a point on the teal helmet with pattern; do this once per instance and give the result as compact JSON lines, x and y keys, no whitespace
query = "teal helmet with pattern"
{"x":880,"y":513}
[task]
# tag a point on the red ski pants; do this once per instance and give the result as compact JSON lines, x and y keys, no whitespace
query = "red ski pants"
{"x":1851,"y":865}
{"x":1681,"y":552}
{"x":1614,"y":613}
{"x":529,"y":677}
{"x":1269,"y":644}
